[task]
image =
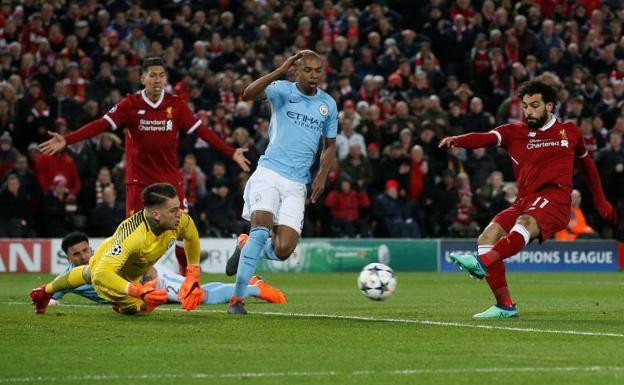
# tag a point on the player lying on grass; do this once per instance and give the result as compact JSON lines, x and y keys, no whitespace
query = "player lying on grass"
{"x":76,"y":247}
{"x":121,"y":261}
{"x":543,"y":151}
{"x":275,"y":194}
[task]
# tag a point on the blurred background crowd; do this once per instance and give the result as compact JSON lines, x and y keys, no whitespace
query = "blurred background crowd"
{"x":404,"y":75}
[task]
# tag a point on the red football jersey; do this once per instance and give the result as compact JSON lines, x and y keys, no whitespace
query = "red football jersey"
{"x":544,"y":157}
{"x":152,"y":131}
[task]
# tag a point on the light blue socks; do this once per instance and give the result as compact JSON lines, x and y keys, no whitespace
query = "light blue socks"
{"x":250,"y":255}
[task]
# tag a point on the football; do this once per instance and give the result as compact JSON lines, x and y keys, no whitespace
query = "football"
{"x":377,"y":281}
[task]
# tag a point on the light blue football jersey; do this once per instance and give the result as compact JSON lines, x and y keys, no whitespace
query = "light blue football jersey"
{"x":297,"y":123}
{"x":86,"y":291}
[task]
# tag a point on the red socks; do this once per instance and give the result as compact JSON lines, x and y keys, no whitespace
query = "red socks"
{"x":496,"y":278}
{"x":498,"y":283}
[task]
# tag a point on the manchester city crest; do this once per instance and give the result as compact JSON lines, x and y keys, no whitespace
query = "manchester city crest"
{"x":323,"y":109}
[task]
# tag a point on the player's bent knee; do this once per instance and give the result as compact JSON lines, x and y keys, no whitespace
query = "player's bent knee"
{"x":526,"y":221}
{"x":283,"y":248}
{"x":283,"y":251}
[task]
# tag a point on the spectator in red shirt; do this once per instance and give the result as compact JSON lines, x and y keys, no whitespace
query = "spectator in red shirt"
{"x":418,"y":174}
{"x":345,"y":204}
{"x":74,"y":83}
{"x":464,"y":8}
{"x":464,"y":224}
{"x":48,"y":167}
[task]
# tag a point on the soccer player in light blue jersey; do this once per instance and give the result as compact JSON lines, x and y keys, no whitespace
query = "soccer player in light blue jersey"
{"x":76,"y":247}
{"x":301,"y":115}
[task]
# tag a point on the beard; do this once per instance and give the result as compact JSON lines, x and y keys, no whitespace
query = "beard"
{"x":535,"y":123}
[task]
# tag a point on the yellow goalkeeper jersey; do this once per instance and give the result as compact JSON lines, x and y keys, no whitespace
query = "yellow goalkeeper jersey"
{"x":134,"y":248}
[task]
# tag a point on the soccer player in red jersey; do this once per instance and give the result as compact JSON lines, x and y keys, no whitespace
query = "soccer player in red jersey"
{"x":153,"y":120}
{"x":543,"y":151}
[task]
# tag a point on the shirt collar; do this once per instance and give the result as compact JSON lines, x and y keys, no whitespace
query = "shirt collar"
{"x":149,"y":102}
{"x":549,"y":123}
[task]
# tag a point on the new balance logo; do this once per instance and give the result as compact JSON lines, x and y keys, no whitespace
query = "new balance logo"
{"x":141,"y":112}
{"x":532,"y":134}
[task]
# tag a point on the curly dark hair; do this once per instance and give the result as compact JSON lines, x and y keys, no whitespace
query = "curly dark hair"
{"x":548,"y":92}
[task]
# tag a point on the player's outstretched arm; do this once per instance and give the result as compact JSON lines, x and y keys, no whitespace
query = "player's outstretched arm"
{"x":255,"y":91}
{"x":327,"y":159}
{"x":237,"y":155}
{"x":590,"y":172}
{"x":472,"y":140}
{"x":58,"y":142}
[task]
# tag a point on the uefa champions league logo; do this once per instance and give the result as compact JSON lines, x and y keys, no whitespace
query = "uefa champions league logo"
{"x":116,"y":250}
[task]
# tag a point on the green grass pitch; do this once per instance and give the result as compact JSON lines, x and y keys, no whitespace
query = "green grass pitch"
{"x":570,"y":331}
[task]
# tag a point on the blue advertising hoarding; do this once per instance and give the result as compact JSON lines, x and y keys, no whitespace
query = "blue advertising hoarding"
{"x":549,"y":256}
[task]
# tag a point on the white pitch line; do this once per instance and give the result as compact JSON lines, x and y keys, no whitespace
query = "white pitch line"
{"x":397,"y":372}
{"x":393,"y":320}
{"x":592,"y":283}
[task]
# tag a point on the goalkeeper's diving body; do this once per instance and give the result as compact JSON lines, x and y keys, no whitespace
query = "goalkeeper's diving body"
{"x":121,"y":261}
{"x":76,"y":247}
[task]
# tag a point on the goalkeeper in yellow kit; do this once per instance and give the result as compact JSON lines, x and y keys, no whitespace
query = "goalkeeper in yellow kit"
{"x":119,"y":263}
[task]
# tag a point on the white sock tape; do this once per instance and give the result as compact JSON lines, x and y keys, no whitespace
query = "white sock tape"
{"x":518,"y":228}
{"x":482,"y":249}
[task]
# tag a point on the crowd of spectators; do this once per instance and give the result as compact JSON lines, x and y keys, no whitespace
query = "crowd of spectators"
{"x":404,"y":75}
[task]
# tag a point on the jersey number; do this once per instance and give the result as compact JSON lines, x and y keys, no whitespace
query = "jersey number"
{"x":539,"y":204}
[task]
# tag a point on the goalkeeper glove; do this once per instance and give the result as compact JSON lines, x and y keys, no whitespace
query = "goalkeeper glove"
{"x":191,"y":293}
{"x":148,"y":293}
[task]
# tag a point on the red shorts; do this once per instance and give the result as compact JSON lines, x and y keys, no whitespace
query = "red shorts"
{"x":134,"y":197}
{"x":550,"y":208}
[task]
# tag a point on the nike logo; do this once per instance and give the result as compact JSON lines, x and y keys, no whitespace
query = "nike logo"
{"x":293,"y":101}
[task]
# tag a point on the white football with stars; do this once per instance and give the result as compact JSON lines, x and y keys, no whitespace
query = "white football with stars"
{"x":377,"y":281}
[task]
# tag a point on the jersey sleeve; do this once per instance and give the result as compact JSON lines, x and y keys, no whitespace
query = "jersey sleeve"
{"x":106,"y":273}
{"x":580,"y":150}
{"x":187,"y":232}
{"x":118,"y":115}
{"x":186,"y":121}
{"x":504,"y":134}
{"x":277,"y":92}
{"x":330,"y":129}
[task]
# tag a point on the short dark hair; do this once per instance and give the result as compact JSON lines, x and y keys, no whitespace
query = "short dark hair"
{"x":548,"y":92}
{"x":73,"y":238}
{"x":158,"y":193}
{"x":309,"y":53}
{"x":152,"y":61}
